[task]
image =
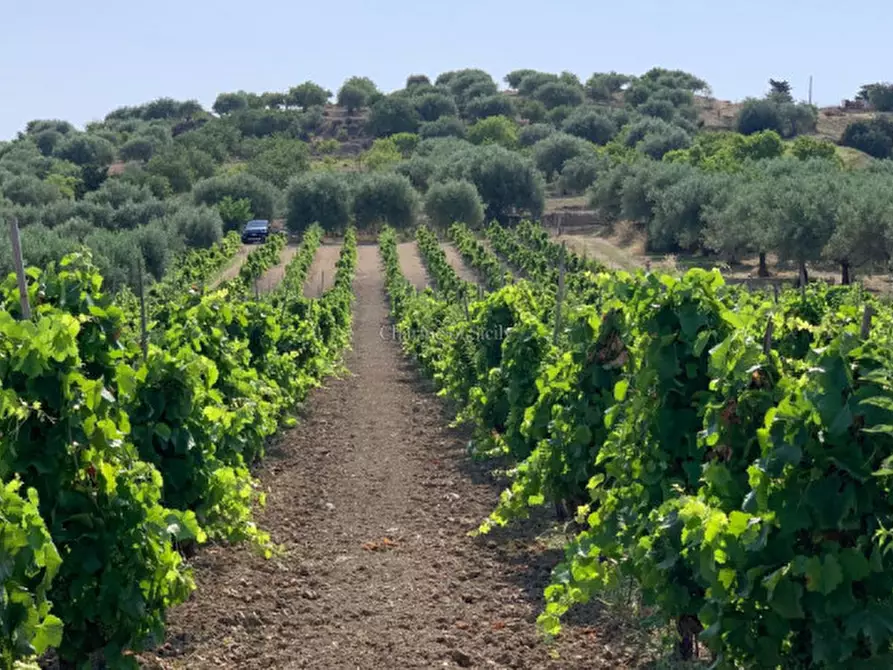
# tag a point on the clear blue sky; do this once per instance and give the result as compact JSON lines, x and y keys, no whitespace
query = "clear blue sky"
{"x":79,"y":60}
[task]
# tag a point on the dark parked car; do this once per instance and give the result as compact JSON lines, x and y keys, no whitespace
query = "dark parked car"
{"x":256,"y":231}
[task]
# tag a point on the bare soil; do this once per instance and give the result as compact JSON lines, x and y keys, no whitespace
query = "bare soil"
{"x":271,"y":278}
{"x":454,"y":258}
{"x":371,"y":498}
{"x":232,"y":270}
{"x":322,"y":271}
{"x":411,"y":264}
{"x":624,"y":249}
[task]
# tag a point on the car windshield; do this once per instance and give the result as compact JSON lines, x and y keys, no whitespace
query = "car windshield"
{"x":256,"y":225}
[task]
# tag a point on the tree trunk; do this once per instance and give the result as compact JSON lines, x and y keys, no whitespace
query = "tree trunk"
{"x":803,"y":278}
{"x":764,"y":269}
{"x":845,"y":278}
{"x":688,"y":628}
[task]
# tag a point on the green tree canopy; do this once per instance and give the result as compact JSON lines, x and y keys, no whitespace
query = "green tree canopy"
{"x":451,"y":201}
{"x":261,"y":194}
{"x":393,"y":114}
{"x":385,"y":198}
{"x":318,"y":197}
{"x":226,"y":103}
{"x":308,"y":94}
{"x":494,"y":130}
{"x":592,"y":124}
{"x":551,"y":153}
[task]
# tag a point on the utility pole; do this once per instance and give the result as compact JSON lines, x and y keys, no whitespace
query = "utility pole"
{"x":810,"y":89}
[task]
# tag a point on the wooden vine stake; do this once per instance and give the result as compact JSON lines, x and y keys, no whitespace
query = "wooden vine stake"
{"x":560,"y":297}
{"x":144,"y":329}
{"x":767,"y":338}
{"x":775,"y":291}
{"x":20,"y":267}
{"x":866,"y":321}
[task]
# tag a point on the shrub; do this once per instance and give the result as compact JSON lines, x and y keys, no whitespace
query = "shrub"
{"x":382,"y":154}
{"x":452,"y":201}
{"x":806,"y":148}
{"x":318,"y":197}
{"x":385,"y":199}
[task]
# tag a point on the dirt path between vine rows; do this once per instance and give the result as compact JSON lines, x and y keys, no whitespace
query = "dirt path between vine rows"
{"x":411,"y":264}
{"x":371,"y":497}
{"x":232,"y":270}
{"x":271,"y":278}
{"x":454,"y":258}
{"x":322,"y":270}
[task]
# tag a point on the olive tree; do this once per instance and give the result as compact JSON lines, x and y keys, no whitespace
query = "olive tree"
{"x":515,"y":77}
{"x":864,"y":231}
{"x":737,"y":227}
{"x":551,"y":153}
{"x":533,"y":133}
{"x":318,"y":197}
{"x":279,"y":160}
{"x":199,"y":226}
{"x":490,"y":105}
{"x":591,"y":124}
{"x":393,"y":114}
{"x":385,"y":198}
{"x":451,"y":201}
{"x":445,"y":126}
{"x":432,"y":106}
{"x":85,"y":149}
{"x":227,"y":103}
{"x":308,"y":94}
{"x":494,"y":130}
{"x":507,"y":182}
{"x":579,"y":173}
{"x":805,"y":209}
{"x":416,"y":80}
{"x":261,"y":194}
{"x":559,"y":94}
